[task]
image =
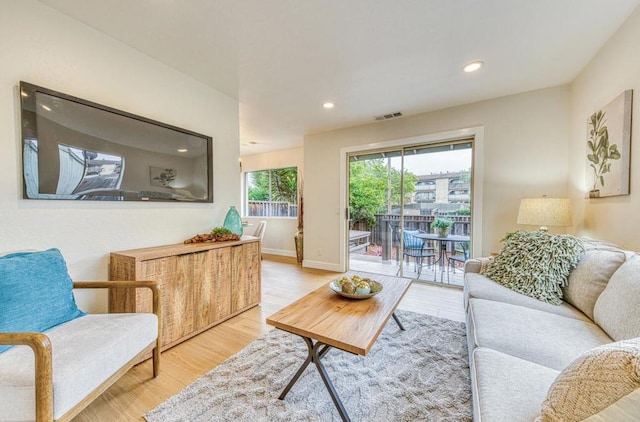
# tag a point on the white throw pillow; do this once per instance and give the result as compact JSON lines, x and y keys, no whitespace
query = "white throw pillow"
{"x":594,"y":381}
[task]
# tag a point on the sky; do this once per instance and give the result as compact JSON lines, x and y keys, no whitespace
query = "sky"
{"x":436,"y":162}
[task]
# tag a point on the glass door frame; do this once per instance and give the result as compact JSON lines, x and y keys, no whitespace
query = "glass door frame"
{"x":474,"y":134}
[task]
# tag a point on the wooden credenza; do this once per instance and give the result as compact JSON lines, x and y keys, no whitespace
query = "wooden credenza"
{"x":201,"y":284}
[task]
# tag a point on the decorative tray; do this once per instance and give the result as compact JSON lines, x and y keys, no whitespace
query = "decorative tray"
{"x":355,"y":287}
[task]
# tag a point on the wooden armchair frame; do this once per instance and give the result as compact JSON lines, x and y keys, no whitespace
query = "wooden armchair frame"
{"x":41,"y":347}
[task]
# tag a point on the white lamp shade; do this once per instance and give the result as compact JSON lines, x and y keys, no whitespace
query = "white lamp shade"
{"x":545,"y":211}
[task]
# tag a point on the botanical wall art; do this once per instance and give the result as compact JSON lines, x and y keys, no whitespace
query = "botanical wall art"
{"x":608,"y":148}
{"x":162,"y":177}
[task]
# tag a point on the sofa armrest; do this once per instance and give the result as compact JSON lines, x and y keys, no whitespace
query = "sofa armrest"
{"x":477,"y":265}
{"x":41,"y":347}
{"x":128,"y":284}
{"x":472,"y":265}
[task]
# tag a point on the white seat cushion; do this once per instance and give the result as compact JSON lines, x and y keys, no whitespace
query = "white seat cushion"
{"x":86,"y":351}
{"x":546,"y":339}
{"x":481,"y":287}
{"x":506,"y":388}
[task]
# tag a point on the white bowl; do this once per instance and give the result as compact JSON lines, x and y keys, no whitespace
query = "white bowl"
{"x":337,"y":287}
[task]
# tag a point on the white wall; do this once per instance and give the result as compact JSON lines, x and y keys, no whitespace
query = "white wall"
{"x":278,"y":238}
{"x":614,"y":69}
{"x":42,"y":46}
{"x":525,"y":155}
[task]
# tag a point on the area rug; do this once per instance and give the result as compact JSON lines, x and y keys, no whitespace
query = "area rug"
{"x":421,"y":374}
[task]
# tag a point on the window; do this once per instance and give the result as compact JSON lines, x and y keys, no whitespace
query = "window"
{"x":272,"y":193}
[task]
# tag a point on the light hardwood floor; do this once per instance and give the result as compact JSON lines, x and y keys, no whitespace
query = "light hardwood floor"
{"x":283,"y":281}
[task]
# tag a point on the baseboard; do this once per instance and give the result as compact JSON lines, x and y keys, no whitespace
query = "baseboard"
{"x":321,"y":265}
{"x":281,"y":252}
{"x":305,"y":263}
{"x":280,"y":258}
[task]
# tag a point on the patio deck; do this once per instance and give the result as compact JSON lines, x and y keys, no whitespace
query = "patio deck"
{"x":374,"y":264}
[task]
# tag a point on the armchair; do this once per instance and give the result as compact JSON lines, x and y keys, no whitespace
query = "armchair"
{"x":66,"y":367}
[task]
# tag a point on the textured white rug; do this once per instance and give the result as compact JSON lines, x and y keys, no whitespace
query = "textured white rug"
{"x":420,"y":374}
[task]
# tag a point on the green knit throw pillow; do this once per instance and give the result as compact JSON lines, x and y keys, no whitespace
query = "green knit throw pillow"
{"x":536,"y":264}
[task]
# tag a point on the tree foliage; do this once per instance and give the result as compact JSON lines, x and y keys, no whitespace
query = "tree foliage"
{"x":274,"y":185}
{"x":368,"y":188}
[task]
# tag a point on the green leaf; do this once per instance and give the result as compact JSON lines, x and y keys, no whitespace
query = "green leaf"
{"x":593,"y":158}
{"x":614,"y":154}
{"x":602,"y":180}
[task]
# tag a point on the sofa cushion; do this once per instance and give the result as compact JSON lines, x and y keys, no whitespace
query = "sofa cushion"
{"x":36,"y":292}
{"x":536,"y":264}
{"x":86,"y":352}
{"x":617,"y":310}
{"x":591,"y":275}
{"x":481,"y":287}
{"x":625,"y":409}
{"x":594,"y":381}
{"x":506,"y":388}
{"x":547,"y":339}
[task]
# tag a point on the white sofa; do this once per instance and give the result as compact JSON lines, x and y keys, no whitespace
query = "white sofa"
{"x":518,"y":345}
{"x":54,"y":374}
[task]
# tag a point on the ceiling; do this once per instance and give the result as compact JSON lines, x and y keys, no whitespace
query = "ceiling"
{"x":282,"y":59}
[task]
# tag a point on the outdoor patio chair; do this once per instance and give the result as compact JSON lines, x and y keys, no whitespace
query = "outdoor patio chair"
{"x":414,"y":247}
{"x":460,"y":254}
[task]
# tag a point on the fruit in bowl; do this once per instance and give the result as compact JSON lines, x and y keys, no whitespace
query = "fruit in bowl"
{"x":356,"y":287}
{"x":349,"y":287}
{"x":363,"y":288}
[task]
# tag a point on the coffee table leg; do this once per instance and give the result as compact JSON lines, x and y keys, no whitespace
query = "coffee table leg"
{"x":395,"y":317}
{"x":315,"y":353}
{"x":297,"y":375}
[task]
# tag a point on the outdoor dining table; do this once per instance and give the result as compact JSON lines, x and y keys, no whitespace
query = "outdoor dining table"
{"x":442,"y":255}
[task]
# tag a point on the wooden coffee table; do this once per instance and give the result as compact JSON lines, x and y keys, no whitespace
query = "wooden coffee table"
{"x":325,"y":319}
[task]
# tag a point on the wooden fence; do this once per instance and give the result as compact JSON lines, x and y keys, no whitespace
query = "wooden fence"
{"x":385,"y":231}
{"x":271,"y":209}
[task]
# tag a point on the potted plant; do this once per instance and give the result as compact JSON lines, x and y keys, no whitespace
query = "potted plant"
{"x":441,"y":226}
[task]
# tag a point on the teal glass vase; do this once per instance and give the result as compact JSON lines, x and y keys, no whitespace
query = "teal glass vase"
{"x":233,"y":222}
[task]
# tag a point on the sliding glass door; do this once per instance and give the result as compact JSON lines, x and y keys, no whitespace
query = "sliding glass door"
{"x":396,"y":199}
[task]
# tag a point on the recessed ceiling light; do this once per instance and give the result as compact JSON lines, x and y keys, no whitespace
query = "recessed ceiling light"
{"x":328,"y":105}
{"x":473,"y":66}
{"x":183,"y":150}
{"x":46,"y":107}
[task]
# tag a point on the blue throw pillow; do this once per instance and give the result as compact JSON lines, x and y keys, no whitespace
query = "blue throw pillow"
{"x":36,"y":292}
